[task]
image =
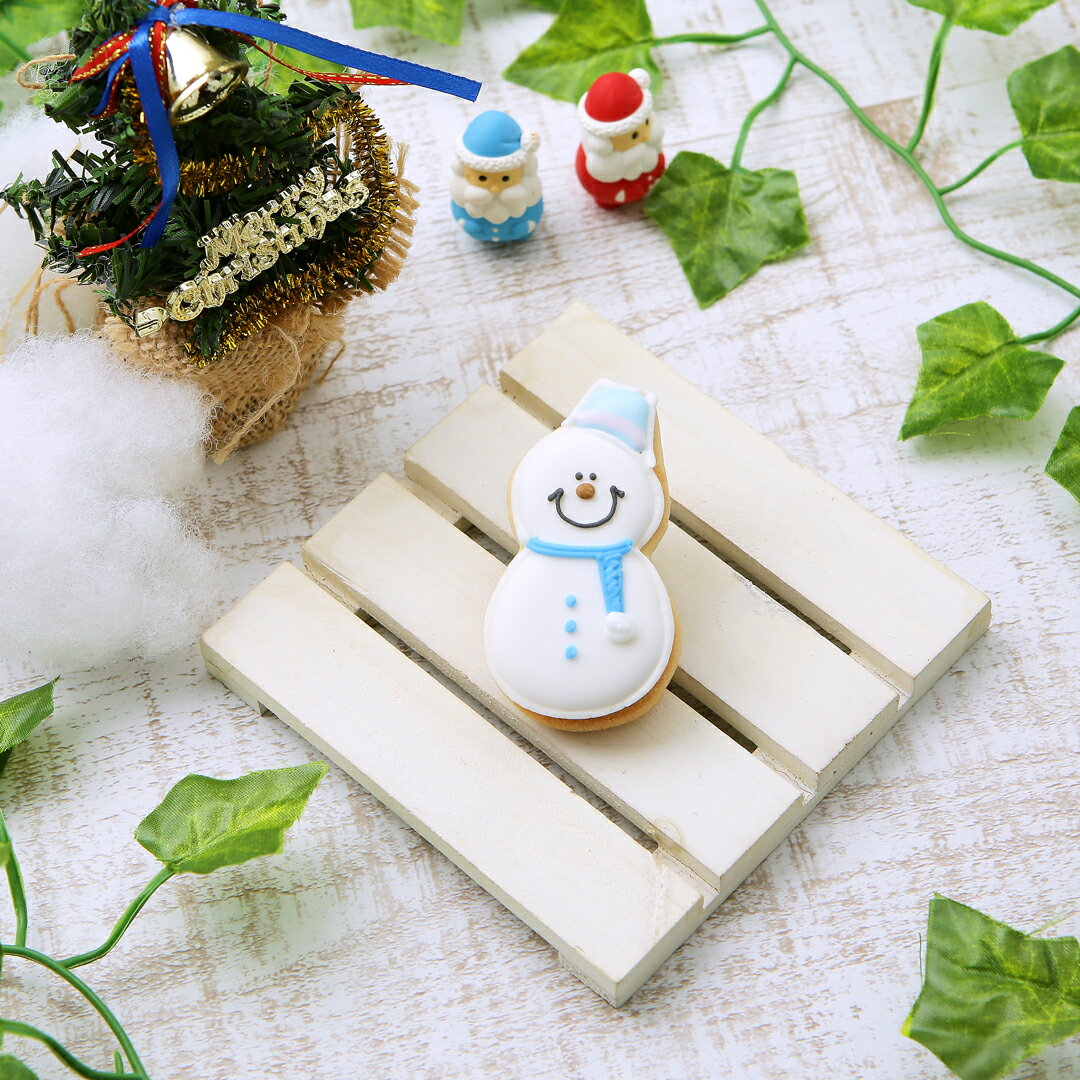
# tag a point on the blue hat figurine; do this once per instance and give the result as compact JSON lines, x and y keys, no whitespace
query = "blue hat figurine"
{"x":495,"y":193}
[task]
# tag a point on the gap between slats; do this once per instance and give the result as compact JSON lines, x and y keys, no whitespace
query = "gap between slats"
{"x":613,"y":911}
{"x":905,"y":615}
{"x":639,"y":836}
{"x":807,"y":705}
{"x":661,"y":772}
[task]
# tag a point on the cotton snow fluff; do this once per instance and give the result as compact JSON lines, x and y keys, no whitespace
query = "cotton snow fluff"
{"x":96,"y":560}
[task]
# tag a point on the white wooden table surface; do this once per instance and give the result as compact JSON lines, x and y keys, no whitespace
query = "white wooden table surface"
{"x":361,"y":952}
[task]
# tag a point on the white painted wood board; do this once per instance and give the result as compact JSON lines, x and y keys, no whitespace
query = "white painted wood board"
{"x":398,"y":554}
{"x":807,"y":705}
{"x":612,"y":910}
{"x":903,"y":611}
{"x":700,"y":795}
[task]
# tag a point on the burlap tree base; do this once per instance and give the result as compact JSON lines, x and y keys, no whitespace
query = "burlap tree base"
{"x":256,"y":385}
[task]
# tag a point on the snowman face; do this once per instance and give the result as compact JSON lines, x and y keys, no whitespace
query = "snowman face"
{"x":578,"y":486}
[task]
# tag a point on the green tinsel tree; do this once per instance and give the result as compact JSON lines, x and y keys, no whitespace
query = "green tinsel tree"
{"x":234,"y":160}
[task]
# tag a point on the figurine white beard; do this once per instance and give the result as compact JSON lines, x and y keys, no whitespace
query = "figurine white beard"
{"x":496,"y":206}
{"x":608,"y":165}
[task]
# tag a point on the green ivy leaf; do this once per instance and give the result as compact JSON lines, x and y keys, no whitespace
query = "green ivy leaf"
{"x":19,"y":715}
{"x":1045,"y":96}
{"x":992,"y":996}
{"x":997,"y":16}
{"x":11,"y":1068}
{"x":439,"y":20}
{"x":1064,"y":463}
{"x":203,"y":824}
{"x":588,"y":39}
{"x":725,"y":225}
{"x":26,"y":22}
{"x":973,"y":365}
{"x":5,"y":853}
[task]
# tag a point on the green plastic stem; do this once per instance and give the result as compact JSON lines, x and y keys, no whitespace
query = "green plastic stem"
{"x":712,"y":39}
{"x":752,"y":115}
{"x":979,"y":168}
{"x":1051,"y":923}
{"x":100,"y":1007}
{"x":1046,"y":335}
{"x":932,"y":72}
{"x":122,"y":923}
{"x":28,"y":1031}
{"x":905,"y":155}
{"x":15,"y":885}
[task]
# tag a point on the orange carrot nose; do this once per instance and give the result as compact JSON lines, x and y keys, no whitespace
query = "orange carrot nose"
{"x":585,"y":491}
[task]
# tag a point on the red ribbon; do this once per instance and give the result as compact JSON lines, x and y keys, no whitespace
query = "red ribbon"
{"x":114,"y":56}
{"x":109,"y":51}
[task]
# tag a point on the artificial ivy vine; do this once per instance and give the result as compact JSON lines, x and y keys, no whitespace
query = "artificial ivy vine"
{"x":725,"y":222}
{"x":201,"y":825}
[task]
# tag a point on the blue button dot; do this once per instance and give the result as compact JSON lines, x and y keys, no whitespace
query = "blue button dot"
{"x":571,"y":652}
{"x":571,"y":601}
{"x":571,"y":626}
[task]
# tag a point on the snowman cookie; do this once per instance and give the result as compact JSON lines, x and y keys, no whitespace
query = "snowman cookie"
{"x":580,"y":631}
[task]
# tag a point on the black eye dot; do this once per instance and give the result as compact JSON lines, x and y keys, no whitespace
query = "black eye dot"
{"x":634,"y":136}
{"x":506,"y":179}
{"x":481,"y":178}
{"x":578,"y":476}
{"x":592,"y":476}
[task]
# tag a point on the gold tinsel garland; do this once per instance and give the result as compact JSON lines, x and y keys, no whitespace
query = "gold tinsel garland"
{"x":368,"y":147}
{"x":360,"y":139}
{"x":214,"y":176}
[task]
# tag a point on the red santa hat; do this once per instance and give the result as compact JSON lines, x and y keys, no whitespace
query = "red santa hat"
{"x":616,"y":103}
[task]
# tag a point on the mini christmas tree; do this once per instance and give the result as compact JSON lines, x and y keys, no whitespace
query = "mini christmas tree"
{"x":286,"y":204}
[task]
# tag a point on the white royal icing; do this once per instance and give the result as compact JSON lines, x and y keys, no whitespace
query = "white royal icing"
{"x":551,"y":642}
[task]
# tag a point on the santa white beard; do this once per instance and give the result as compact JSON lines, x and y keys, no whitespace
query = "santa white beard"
{"x":608,"y":165}
{"x":493,"y":206}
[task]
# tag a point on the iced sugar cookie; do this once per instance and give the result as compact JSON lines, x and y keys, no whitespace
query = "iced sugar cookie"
{"x":580,"y":631}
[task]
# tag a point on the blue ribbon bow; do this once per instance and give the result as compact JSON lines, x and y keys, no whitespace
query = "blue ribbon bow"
{"x":139,"y":53}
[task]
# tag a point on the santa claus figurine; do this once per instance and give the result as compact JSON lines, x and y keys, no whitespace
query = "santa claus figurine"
{"x":619,"y":158}
{"x":495,"y":193}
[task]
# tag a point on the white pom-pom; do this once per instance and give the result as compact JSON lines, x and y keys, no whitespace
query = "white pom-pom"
{"x":619,"y":627}
{"x":97,"y":562}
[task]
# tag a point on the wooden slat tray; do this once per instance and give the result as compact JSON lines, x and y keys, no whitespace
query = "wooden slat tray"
{"x":809,"y":625}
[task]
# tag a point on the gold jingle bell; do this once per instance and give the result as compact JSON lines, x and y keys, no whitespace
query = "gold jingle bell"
{"x":199,"y":76}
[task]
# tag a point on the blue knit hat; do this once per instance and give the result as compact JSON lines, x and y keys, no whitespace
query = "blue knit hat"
{"x":622,"y":411}
{"x":495,"y":141}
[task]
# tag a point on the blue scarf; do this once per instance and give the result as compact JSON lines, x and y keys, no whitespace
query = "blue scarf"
{"x":608,"y":560}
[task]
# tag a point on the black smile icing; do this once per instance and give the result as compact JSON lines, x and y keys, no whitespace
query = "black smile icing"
{"x":556,"y":498}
